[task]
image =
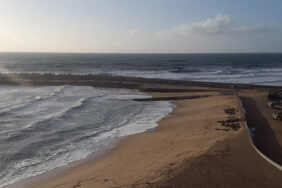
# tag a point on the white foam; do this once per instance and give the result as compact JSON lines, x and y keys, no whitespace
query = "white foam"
{"x":215,"y":74}
{"x":139,"y":117}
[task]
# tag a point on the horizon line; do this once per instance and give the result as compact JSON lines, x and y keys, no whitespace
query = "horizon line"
{"x":62,"y":52}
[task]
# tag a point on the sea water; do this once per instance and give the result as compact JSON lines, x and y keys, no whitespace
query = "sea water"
{"x":44,"y":128}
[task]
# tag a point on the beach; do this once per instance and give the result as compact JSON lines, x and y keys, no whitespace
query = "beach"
{"x":204,"y":142}
{"x":140,"y":94}
{"x":188,"y":148}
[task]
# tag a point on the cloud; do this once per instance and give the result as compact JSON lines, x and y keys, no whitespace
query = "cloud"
{"x":250,"y":29}
{"x":134,"y":31}
{"x":218,"y":26}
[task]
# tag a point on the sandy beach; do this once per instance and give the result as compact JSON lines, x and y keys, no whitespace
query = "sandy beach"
{"x":140,"y":94}
{"x":188,"y":148}
{"x":203,"y":143}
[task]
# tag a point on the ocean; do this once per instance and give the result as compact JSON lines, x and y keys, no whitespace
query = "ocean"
{"x":265,"y":69}
{"x":43,"y":128}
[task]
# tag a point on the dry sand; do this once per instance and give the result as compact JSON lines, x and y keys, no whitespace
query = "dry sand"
{"x":156,"y":158}
{"x":234,"y":162}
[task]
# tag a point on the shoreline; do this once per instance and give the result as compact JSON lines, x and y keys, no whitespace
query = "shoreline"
{"x":100,"y":153}
{"x":171,"y":171}
{"x":27,"y":182}
{"x":132,"y":138}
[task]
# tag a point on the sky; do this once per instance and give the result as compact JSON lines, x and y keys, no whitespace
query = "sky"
{"x":141,"y":26}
